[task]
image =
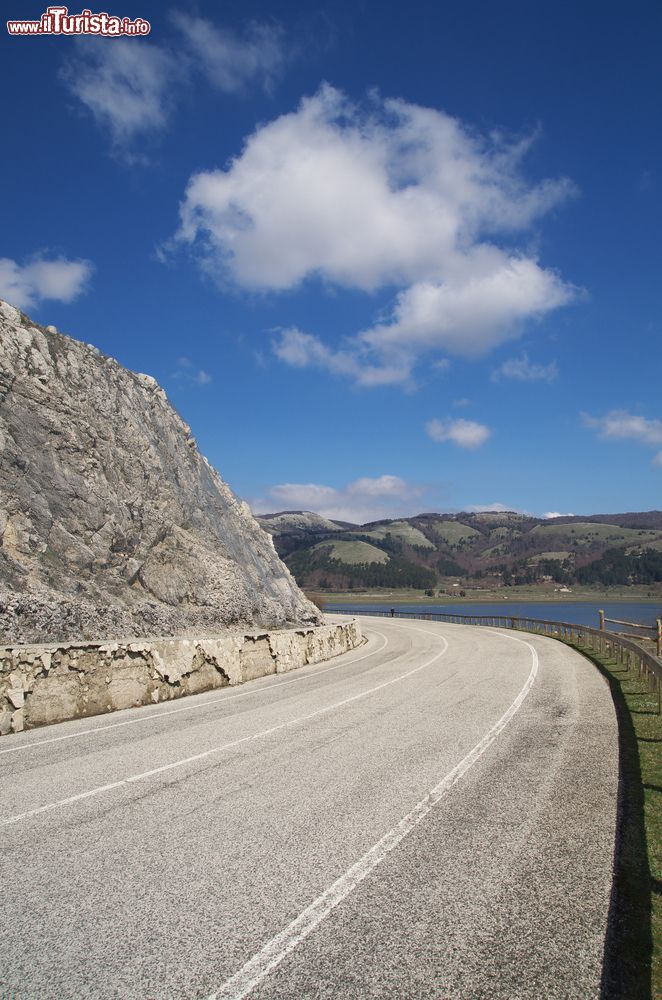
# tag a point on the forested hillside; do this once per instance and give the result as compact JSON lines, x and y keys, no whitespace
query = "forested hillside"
{"x":497,"y":548}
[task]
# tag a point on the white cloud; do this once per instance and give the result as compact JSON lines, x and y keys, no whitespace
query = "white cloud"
{"x":231,"y":62}
{"x":364,"y":499}
{"x":464,"y":433}
{"x":303,"y":350}
{"x":621,"y":425}
{"x":187,"y":373}
{"x":471,"y":313}
{"x":62,"y":280}
{"x":131,"y":86}
{"x":383,"y":486}
{"x":395,"y":197}
{"x":524,"y":370}
{"x":491,"y":508}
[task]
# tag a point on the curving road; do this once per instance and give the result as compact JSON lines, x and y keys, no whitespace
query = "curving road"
{"x":431,"y":815}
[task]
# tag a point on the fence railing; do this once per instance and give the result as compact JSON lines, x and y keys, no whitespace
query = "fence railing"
{"x":616,"y":646}
{"x":656,"y":629}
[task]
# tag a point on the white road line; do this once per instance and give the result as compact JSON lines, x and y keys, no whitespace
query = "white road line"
{"x":280,"y":946}
{"x":191,"y":708}
{"x":99,"y":790}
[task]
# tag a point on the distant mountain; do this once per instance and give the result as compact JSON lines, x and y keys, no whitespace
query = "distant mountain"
{"x":299,"y":520}
{"x":433,"y":550}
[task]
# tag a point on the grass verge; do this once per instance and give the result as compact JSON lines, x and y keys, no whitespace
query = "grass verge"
{"x":539,"y":595}
{"x":633,"y":955}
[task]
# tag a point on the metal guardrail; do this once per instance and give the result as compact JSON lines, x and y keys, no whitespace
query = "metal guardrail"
{"x":626,"y":651}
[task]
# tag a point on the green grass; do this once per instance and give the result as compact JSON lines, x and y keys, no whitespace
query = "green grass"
{"x":633,"y":966}
{"x":500,"y":517}
{"x":410,"y":535}
{"x":588,"y":533}
{"x":353,"y":553}
{"x":454,"y":533}
{"x":657,"y":545}
{"x":504,"y":532}
{"x":533,"y":592}
{"x":560,"y":556}
{"x":306,"y":521}
{"x":494,"y":550}
{"x":403,"y":531}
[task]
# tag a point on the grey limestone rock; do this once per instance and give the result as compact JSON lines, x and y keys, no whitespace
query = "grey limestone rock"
{"x":111,"y":521}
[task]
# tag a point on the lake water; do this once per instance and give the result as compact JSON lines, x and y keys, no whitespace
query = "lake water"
{"x":574,"y":612}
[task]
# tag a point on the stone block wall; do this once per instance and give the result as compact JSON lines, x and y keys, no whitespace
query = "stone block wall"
{"x":41,"y":684}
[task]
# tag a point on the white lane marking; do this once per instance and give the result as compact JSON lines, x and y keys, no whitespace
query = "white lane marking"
{"x":191,"y":708}
{"x":225,"y":746}
{"x":280,"y":946}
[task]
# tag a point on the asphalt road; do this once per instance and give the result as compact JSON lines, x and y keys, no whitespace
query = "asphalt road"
{"x":431,"y":815}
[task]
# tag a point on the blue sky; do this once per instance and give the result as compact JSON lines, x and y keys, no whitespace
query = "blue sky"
{"x":384,"y":258}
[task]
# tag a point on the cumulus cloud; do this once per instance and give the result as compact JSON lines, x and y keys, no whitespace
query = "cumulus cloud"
{"x":59,"y":279}
{"x":523,"y":370}
{"x":471,"y":313}
{"x":463,"y":433}
{"x":364,"y":499}
{"x":131,"y":86}
{"x":621,"y":425}
{"x":391,"y":196}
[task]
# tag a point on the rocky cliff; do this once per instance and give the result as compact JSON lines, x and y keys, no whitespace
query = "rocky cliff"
{"x":112,"y":523}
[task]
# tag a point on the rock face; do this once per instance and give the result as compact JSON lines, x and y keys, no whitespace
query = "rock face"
{"x":112,"y":523}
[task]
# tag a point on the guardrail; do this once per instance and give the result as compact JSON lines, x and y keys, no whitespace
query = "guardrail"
{"x":625,"y":650}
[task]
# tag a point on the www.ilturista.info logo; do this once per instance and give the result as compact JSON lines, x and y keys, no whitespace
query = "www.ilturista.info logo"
{"x":58,"y":21}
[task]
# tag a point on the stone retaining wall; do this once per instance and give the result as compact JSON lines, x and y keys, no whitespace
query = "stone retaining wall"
{"x":40,"y":684}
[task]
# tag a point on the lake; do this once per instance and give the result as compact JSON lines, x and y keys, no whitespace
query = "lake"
{"x":574,"y":612}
